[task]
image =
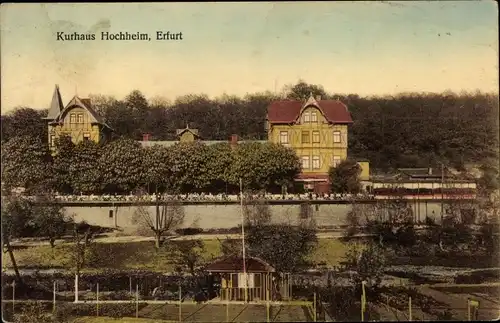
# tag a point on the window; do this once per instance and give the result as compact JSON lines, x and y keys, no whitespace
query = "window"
{"x":307,"y":117}
{"x":284,"y":137}
{"x":110,"y":213}
{"x":315,"y":136}
{"x":305,"y":137}
{"x":80,"y":117}
{"x":86,"y":136}
{"x":336,"y":161}
{"x":316,"y":162}
{"x":314,"y":117}
{"x":336,"y":136}
{"x":52,"y":140}
{"x":305,"y":162}
{"x":72,"y":118}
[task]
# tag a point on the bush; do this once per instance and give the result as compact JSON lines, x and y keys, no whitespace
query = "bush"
{"x":188,"y":231}
{"x":68,"y":310}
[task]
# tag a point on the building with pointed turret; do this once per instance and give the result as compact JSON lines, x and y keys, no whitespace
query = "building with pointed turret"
{"x":77,"y":119}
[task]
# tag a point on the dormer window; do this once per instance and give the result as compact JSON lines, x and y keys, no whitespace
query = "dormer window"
{"x":314,"y":117}
{"x":307,"y":117}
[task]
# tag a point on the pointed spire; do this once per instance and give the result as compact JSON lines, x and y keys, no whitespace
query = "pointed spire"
{"x":56,"y":105}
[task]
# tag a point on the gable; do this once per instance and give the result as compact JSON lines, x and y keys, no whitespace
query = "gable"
{"x":288,"y":111}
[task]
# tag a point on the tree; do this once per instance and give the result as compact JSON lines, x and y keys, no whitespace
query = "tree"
{"x":264,"y":166}
{"x":256,"y":211}
{"x":187,"y":256}
{"x":168,"y":215}
{"x":302,"y":91}
{"x":122,"y":166}
{"x":26,"y":163}
{"x":190,"y":164}
{"x":50,"y":219}
{"x":24,"y":121}
{"x":63,"y":159}
{"x":220,"y":159}
{"x":85,"y":173}
{"x":345,"y":177}
{"x":286,"y":247}
{"x":17,"y":216}
{"x":369,"y":263}
{"x":83,"y":236}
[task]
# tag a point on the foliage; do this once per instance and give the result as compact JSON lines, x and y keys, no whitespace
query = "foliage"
{"x":404,"y":130}
{"x":24,"y":121}
{"x":302,"y":91}
{"x":369,"y":263}
{"x":264,"y":165}
{"x":187,"y":256}
{"x":26,"y":162}
{"x":83,"y":235}
{"x":121,"y":166}
{"x":285,"y":247}
{"x":50,"y":219}
{"x":33,"y":312}
{"x":345,"y":177}
{"x":167,"y":216}
{"x":190,"y":166}
{"x":256,"y":211}
{"x":230,"y":247}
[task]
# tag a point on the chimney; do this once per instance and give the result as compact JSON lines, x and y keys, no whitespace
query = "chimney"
{"x":234,"y":140}
{"x":430,"y":170}
{"x":146,"y":136}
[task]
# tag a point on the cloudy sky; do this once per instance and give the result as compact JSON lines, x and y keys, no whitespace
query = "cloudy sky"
{"x":369,"y":48}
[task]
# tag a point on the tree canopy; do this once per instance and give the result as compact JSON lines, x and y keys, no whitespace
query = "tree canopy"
{"x":123,"y":166}
{"x":405,"y":130}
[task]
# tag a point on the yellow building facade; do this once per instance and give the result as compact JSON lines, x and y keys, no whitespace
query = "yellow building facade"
{"x":77,"y":120}
{"x":317,"y":131}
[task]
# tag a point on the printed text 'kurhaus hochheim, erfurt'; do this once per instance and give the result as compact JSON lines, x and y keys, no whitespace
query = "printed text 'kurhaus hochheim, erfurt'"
{"x":106,"y":35}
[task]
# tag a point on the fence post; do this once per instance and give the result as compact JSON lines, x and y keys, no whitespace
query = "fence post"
{"x":227,"y":306}
{"x":468,"y":310}
{"x":13,"y":296}
{"x":409,"y":308}
{"x":136,"y":300}
{"x":267,"y":307}
{"x":314,"y":307}
{"x":54,"y":298}
{"x":130,"y":284}
{"x":76,"y":287}
{"x":97,"y":299}
{"x":180,"y":303}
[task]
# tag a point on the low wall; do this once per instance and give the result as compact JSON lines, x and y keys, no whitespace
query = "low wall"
{"x":214,"y":216}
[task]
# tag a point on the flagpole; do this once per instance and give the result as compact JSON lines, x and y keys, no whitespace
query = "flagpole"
{"x":243,"y":237}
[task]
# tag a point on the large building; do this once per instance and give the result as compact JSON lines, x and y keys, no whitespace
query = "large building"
{"x":77,"y":120}
{"x":317,"y":131}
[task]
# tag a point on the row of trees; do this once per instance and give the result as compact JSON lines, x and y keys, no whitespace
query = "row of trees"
{"x":406,"y":130}
{"x":123,"y":166}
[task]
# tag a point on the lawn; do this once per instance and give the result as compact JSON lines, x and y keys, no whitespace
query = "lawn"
{"x":140,"y":255}
{"x":105,"y":319}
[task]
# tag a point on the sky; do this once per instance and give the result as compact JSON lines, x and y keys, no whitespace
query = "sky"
{"x":368,"y":48}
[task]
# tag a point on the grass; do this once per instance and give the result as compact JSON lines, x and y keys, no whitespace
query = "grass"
{"x":105,"y":319}
{"x":141,"y":255}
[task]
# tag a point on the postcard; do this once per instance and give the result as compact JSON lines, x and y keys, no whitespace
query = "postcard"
{"x":250,"y":162}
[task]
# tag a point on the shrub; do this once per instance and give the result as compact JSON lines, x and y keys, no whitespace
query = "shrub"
{"x":189,"y":231}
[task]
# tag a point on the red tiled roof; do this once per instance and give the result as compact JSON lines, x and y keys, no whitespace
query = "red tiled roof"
{"x":235,"y":265}
{"x":287,"y":111}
